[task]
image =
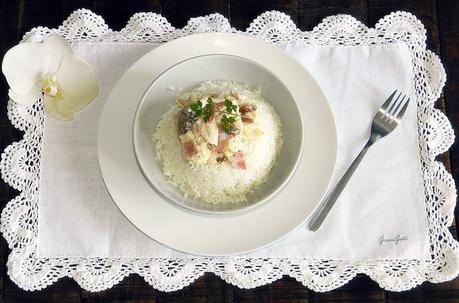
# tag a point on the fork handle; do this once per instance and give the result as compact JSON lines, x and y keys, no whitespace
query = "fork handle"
{"x":326,"y":204}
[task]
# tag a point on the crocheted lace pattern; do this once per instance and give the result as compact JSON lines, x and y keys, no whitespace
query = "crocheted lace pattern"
{"x":20,"y":166}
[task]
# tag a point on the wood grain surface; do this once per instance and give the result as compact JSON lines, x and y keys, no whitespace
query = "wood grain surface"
{"x":441,"y":19}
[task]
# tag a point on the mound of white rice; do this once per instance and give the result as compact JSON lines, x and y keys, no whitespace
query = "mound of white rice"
{"x":220,"y":182}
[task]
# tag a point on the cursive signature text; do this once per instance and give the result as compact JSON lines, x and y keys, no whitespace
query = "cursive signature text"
{"x":397,"y":239}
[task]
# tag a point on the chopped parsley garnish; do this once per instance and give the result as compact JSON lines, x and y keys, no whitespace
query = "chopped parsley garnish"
{"x":227,"y":123}
{"x":205,"y":112}
{"x":208,"y":110}
{"x":196,"y":107}
{"x":228,"y":118}
{"x":230,"y":107}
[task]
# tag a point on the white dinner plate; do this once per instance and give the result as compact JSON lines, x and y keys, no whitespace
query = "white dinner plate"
{"x":216,"y":235}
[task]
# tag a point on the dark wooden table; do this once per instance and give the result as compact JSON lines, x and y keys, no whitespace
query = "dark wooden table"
{"x":441,"y":19}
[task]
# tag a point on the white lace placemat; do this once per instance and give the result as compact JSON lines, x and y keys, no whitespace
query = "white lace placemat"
{"x":20,"y":168}
{"x":77,"y":216}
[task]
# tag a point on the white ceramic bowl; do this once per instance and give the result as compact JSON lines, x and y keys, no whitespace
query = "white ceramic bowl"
{"x":158,"y":98}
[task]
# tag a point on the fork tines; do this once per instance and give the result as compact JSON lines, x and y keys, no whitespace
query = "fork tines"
{"x":396,"y":105}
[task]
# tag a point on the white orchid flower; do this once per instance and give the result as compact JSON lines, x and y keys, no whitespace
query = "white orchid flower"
{"x":52,"y":71}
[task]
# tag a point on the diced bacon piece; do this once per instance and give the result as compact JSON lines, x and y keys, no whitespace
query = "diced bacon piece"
{"x":238,"y":161}
{"x":247,"y":108}
{"x":189,"y":145}
{"x":246,"y":119}
{"x":189,"y":149}
{"x":248,"y":112}
{"x":219,"y":106}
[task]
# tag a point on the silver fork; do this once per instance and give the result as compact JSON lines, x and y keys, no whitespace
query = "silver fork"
{"x":384,"y":122}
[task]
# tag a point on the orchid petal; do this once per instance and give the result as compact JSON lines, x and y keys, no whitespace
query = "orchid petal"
{"x":22,"y":66}
{"x":78,"y":82}
{"x":55,"y":48}
{"x":52,"y":110}
{"x":28,"y":99}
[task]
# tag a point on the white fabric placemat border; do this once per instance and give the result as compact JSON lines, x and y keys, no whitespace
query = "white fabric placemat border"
{"x":20,"y":168}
